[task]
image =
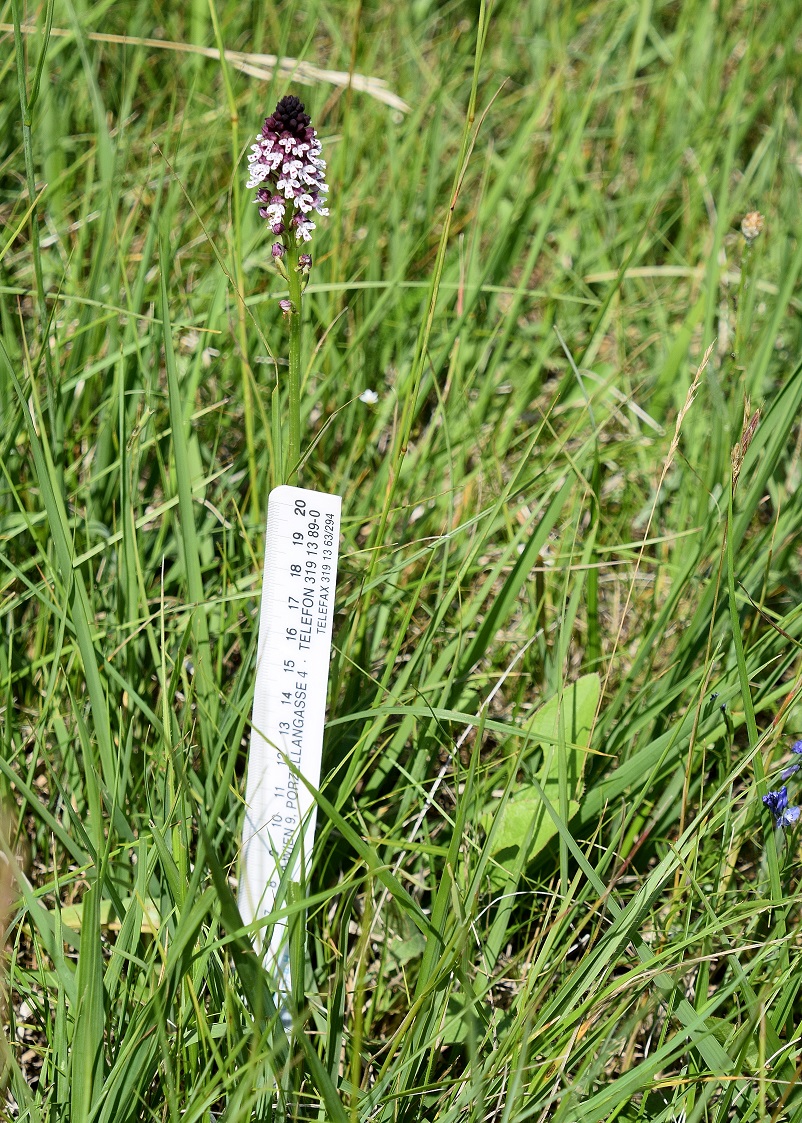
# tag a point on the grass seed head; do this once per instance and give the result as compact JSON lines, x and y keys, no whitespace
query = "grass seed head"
{"x":752,"y":226}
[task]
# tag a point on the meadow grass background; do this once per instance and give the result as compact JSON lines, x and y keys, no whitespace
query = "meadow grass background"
{"x":566,"y":656}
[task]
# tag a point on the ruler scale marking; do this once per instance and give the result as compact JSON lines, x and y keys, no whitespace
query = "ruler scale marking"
{"x":292,"y":671}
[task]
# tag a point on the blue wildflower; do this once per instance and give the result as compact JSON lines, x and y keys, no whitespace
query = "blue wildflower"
{"x":788,"y":817}
{"x":797,"y":747}
{"x":789,"y":771}
{"x":777,"y":803}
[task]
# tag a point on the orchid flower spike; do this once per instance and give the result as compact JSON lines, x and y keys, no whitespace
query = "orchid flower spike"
{"x":286,"y":169}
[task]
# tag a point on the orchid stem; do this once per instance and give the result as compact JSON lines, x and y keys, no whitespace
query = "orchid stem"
{"x":294,"y":445}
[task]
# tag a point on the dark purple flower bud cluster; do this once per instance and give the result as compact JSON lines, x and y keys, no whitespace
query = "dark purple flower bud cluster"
{"x":777,"y":801}
{"x":286,"y":169}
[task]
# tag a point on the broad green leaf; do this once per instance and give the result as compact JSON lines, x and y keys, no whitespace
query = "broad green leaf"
{"x":563,"y":727}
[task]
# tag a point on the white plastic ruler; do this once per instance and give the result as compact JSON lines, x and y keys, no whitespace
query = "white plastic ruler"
{"x":289,"y":706}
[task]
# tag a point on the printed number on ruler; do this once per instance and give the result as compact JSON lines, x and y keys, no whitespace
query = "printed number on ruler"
{"x":290,"y":697}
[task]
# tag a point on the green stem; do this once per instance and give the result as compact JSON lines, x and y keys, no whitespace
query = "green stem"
{"x":294,"y":445}
{"x":751,"y":728}
{"x":743,"y":286}
{"x":248,"y":381}
{"x":26,"y":110}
